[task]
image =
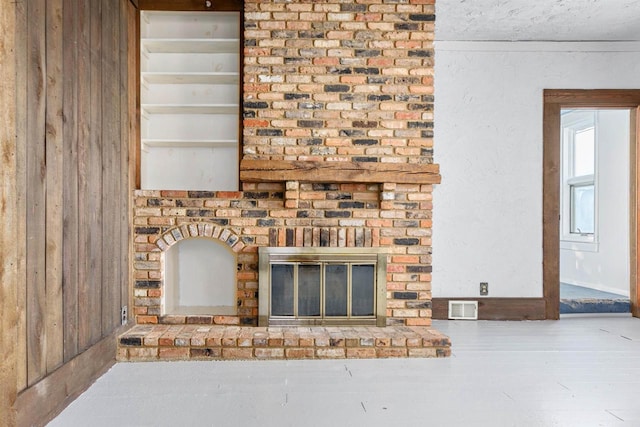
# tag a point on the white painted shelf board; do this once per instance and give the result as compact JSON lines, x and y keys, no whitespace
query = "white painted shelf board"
{"x":209,"y":143}
{"x":191,"y":78}
{"x":190,"y":45}
{"x":190,"y":108}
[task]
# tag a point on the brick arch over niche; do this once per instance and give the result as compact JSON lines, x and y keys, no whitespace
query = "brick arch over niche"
{"x":149,"y":288}
{"x":201,"y":229}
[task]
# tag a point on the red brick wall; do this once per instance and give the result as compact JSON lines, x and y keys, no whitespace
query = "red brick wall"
{"x":339,"y":80}
{"x":323,"y":81}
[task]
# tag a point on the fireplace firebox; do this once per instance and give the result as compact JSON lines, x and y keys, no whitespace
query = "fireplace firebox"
{"x":322,"y":286}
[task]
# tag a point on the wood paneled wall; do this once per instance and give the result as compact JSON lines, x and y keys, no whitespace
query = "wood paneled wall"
{"x":66,"y":196}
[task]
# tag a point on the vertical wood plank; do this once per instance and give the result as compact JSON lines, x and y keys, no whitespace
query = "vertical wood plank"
{"x":125,"y":175}
{"x":85,"y":274}
{"x":120,"y":85}
{"x":137,"y":159}
{"x":94,"y":178}
{"x":70,"y":252}
{"x":9,"y":282}
{"x":634,"y":202}
{"x":54,"y":185}
{"x":128,"y":93}
{"x":110,"y":138}
{"x":551,"y":210}
{"x":21,"y":225}
{"x":36,"y":205}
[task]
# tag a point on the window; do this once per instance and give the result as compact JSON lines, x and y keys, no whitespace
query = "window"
{"x":190,"y":96}
{"x":579,"y":190}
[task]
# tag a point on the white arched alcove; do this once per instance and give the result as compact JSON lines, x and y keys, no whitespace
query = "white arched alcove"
{"x":200,"y":278}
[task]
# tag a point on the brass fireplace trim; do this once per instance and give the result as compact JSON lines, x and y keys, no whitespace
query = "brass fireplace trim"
{"x":267,"y":255}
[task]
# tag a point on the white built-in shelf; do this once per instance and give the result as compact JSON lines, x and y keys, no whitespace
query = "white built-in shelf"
{"x":190,"y":45}
{"x":190,"y":78}
{"x":209,"y":143}
{"x":190,"y":108}
{"x":189,"y":99}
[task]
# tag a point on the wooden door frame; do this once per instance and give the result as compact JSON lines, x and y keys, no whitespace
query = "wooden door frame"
{"x":554,"y":101}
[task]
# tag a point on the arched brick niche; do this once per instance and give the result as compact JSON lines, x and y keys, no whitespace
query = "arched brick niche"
{"x":197,"y":273}
{"x":199,"y":278}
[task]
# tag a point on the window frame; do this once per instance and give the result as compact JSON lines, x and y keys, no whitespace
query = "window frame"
{"x":570,"y":126}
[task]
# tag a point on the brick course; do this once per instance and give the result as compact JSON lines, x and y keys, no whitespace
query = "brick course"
{"x":164,"y":342}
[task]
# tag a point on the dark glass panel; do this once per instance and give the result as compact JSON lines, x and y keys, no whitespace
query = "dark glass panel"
{"x":282,"y":290}
{"x":362,"y":290}
{"x":308,"y":290}
{"x":335,"y":290}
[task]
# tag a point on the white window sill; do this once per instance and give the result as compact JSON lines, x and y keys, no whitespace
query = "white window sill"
{"x":572,"y":245}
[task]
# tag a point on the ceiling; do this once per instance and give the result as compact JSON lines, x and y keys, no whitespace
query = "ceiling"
{"x":537,"y":20}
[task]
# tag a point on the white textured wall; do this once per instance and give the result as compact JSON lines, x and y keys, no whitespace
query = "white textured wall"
{"x":606,"y":268}
{"x":488,"y":142}
{"x":537,"y":20}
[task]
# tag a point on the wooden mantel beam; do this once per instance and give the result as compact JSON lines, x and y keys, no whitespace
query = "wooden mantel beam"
{"x":338,"y":172}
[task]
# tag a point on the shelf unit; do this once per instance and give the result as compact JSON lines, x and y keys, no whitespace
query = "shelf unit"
{"x":190,"y":112}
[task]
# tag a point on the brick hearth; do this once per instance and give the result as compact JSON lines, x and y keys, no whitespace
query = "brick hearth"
{"x":197,"y":342}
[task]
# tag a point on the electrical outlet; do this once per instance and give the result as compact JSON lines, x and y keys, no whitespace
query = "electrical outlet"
{"x":123,"y":315}
{"x":484,"y":288}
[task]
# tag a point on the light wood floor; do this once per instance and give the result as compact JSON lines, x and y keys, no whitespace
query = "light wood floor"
{"x":578,"y":371}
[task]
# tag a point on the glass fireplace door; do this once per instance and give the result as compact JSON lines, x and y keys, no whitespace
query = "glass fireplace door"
{"x":322,"y":286}
{"x":307,"y":292}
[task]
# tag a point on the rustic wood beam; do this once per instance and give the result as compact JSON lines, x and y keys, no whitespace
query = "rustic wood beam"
{"x":343,"y":172}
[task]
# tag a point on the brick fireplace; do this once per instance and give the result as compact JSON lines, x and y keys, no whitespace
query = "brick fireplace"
{"x":328,"y":215}
{"x":337,"y":152}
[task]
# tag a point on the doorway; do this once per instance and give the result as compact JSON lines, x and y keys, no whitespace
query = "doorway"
{"x":594,"y":210}
{"x":557,"y":186}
